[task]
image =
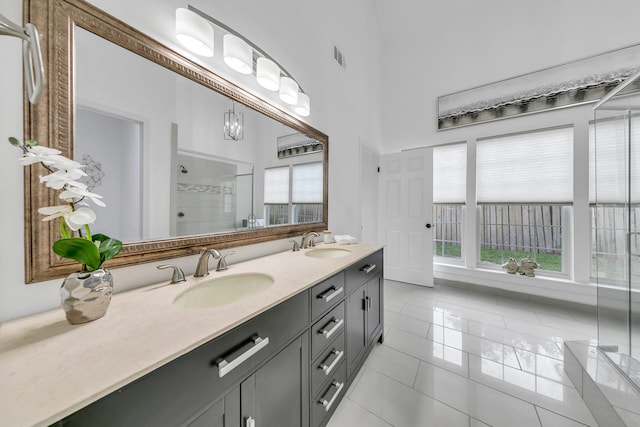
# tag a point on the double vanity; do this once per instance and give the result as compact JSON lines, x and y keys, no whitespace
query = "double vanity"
{"x":270,"y":342}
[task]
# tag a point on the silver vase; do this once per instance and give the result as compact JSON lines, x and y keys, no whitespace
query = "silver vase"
{"x":86,"y":295}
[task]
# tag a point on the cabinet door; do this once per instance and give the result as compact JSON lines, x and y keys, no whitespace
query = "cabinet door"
{"x":277,"y":394}
{"x":223,"y":413}
{"x":356,"y":337}
{"x":374,"y":307}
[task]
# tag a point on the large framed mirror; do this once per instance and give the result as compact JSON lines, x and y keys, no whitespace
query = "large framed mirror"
{"x":148,"y":123}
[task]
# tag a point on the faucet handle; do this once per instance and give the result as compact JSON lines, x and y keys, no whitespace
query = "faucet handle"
{"x":222,"y":264}
{"x":296,"y":246}
{"x":178,"y":274}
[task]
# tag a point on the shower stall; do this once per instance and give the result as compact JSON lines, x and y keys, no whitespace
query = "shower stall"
{"x":615,"y":202}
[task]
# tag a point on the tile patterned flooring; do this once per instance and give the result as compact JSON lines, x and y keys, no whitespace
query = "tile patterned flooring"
{"x":457,"y":357}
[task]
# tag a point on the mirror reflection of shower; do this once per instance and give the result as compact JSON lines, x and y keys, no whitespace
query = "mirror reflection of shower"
{"x":212,"y":194}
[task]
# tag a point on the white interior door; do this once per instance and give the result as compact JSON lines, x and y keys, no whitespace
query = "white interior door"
{"x":368,"y":195}
{"x":406,"y":216}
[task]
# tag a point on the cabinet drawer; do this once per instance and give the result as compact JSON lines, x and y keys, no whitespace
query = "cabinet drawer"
{"x":327,"y":363}
{"x":326,"y":401}
{"x":327,"y":294}
{"x":363,"y":270}
{"x":326,"y":329}
{"x":199,"y":376}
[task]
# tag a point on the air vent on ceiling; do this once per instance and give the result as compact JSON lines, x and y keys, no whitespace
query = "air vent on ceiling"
{"x":339,"y":57}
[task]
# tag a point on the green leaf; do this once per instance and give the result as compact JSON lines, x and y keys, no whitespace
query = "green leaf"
{"x":14,"y":141}
{"x":31,"y":142}
{"x":79,"y":249}
{"x":107,"y":247}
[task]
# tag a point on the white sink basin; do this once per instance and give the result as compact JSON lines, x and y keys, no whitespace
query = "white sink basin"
{"x":219,"y":291}
{"x":328,"y":253}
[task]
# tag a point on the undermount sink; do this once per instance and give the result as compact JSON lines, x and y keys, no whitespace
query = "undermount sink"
{"x":219,"y":291}
{"x":328,"y":253}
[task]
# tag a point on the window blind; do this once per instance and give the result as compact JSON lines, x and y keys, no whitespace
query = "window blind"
{"x":306,"y":185}
{"x":450,"y":173}
{"x":533,"y":167}
{"x":276,"y":185}
{"x":610,"y":161}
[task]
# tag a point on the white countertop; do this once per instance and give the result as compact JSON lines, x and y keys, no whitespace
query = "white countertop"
{"x":50,"y":369}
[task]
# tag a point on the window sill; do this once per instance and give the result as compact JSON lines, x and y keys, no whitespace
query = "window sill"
{"x":560,"y":288}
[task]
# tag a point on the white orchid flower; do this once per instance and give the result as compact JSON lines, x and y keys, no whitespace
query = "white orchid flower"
{"x":79,"y":218}
{"x":62,"y":163}
{"x":59,"y":179}
{"x":54,"y":212}
{"x":38,"y":154}
{"x":74,"y":219}
{"x":72,"y":193}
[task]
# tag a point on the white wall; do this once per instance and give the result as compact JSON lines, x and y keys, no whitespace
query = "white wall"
{"x":430,"y":49}
{"x":300,"y":34}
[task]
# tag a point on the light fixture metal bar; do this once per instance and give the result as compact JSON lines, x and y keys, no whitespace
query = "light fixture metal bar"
{"x":255,"y":48}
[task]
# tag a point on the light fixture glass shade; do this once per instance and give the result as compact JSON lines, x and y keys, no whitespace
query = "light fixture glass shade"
{"x":233,"y":125}
{"x":194,"y":32}
{"x":268,"y":74}
{"x":238,"y":54}
{"x":288,"y":90}
{"x":303,"y":107}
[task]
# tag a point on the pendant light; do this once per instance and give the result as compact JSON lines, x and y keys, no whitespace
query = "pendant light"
{"x":288,"y":90}
{"x":238,"y":54}
{"x":194,"y":32}
{"x":268,"y":74}
{"x":233,"y":124}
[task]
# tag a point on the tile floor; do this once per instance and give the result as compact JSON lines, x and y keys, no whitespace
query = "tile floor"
{"x":453,"y":357}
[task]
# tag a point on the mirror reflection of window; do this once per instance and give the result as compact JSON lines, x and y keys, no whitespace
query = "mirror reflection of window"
{"x":293,"y":192}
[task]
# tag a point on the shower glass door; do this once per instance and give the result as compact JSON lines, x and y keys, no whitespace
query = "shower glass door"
{"x":615,"y":198}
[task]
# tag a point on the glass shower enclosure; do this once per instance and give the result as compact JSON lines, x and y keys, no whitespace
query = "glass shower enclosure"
{"x":615,"y":202}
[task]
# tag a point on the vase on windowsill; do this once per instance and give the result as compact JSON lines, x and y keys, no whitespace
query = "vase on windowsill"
{"x":85,"y":294}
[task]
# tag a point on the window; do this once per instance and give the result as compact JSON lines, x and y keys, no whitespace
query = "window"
{"x":276,"y":196}
{"x":614,"y":198}
{"x":449,"y":193}
{"x":519,"y":231}
{"x":293,"y":194}
{"x":524,"y":184}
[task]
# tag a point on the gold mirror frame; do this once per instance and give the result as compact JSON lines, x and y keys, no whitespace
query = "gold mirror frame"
{"x":51,"y":123}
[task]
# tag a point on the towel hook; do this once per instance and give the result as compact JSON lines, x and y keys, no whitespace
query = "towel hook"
{"x":31,"y":55}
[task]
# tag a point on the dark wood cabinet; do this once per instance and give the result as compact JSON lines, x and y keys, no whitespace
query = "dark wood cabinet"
{"x":287,"y":367}
{"x":275,"y":394}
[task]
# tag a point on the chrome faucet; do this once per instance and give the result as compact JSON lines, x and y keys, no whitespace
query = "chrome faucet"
{"x":178,"y":274}
{"x":307,"y":240}
{"x":222,"y":263}
{"x":202,"y":269}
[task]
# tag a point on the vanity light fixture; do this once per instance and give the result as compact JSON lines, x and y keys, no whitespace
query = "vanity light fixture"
{"x":268,"y":74}
{"x":194,"y":32}
{"x":240,"y":54}
{"x":288,"y":90}
{"x":233,"y":124}
{"x":303,"y":105}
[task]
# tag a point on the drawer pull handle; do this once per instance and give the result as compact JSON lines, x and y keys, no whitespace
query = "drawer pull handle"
{"x":368,"y":268}
{"x":257,"y":344}
{"x":338,"y":324}
{"x":250,"y":422}
{"x":327,"y":369}
{"x":330,"y":294}
{"x":327,"y":403}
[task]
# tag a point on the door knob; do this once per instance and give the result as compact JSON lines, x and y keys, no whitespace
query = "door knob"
{"x":428,"y":225}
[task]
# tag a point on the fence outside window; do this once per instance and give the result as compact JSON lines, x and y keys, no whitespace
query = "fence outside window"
{"x":447,"y":233}
{"x":518,"y":231}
